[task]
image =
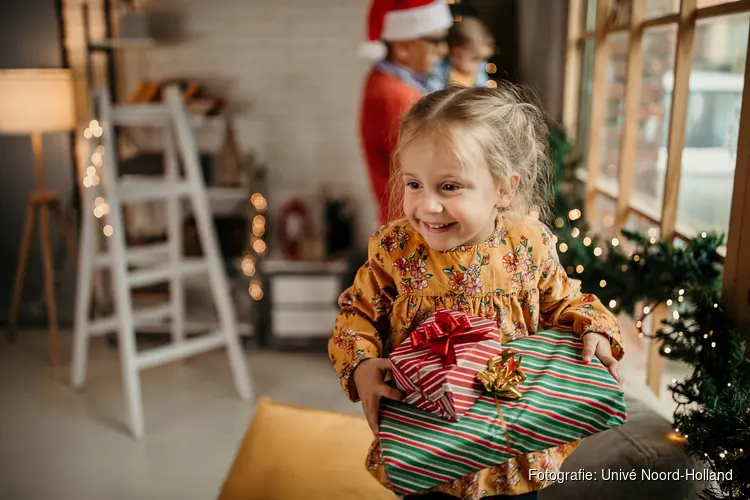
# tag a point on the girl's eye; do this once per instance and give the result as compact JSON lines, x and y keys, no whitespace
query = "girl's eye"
{"x":449,"y":187}
{"x":412,"y":185}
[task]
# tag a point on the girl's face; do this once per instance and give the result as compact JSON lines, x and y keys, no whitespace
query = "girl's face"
{"x":466,"y":59}
{"x":450,"y":204}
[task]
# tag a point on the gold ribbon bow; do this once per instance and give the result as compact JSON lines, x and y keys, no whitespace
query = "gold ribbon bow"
{"x":502,"y":378}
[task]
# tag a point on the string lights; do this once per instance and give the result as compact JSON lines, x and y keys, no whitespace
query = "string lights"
{"x":92,"y":178}
{"x":258,"y":245}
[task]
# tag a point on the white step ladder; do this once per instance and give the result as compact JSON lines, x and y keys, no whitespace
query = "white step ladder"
{"x":153,"y":264}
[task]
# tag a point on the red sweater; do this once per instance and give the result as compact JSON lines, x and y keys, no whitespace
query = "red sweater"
{"x":386,"y":100}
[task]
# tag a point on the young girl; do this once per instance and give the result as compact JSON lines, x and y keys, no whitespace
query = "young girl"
{"x":472,"y":174}
{"x":470,"y":45}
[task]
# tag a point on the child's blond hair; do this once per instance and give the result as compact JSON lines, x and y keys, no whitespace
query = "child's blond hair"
{"x":471,"y":33}
{"x":499,"y":127}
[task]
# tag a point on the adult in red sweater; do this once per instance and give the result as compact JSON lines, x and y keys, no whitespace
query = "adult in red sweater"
{"x":408,"y":38}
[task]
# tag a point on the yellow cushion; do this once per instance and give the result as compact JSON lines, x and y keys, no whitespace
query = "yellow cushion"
{"x":291,"y":452}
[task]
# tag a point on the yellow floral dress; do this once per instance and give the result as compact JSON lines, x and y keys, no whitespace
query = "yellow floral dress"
{"x":514,"y":277}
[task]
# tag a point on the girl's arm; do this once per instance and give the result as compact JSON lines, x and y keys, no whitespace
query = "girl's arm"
{"x":563,"y":305}
{"x":364,"y":306}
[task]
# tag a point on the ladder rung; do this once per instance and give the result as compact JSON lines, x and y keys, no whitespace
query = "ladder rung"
{"x":184,"y":349}
{"x":137,"y":256}
{"x":133,"y":191}
{"x":146,"y":277}
{"x":140,"y":317}
{"x":140,"y":114}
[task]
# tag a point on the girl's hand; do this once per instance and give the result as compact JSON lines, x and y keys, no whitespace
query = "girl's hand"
{"x":596,"y":343}
{"x":369,"y":379}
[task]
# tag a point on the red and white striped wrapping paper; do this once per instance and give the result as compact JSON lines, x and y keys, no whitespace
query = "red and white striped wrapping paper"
{"x":446,"y":391}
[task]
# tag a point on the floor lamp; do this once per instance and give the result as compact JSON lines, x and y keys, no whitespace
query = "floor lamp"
{"x":35,"y":102}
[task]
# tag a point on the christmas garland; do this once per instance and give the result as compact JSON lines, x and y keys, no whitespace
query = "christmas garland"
{"x":637,"y":276}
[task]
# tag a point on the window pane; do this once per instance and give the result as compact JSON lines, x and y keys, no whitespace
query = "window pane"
{"x":587,"y":81}
{"x":602,"y":222}
{"x":653,"y":117}
{"x":642,"y":225}
{"x":658,"y":8}
{"x":713,"y":115}
{"x":589,"y":16}
{"x":614,"y":105}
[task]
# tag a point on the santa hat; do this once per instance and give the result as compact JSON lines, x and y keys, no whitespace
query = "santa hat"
{"x":396,"y":20}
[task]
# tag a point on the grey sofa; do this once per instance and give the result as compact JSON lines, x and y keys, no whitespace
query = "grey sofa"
{"x":641,"y":444}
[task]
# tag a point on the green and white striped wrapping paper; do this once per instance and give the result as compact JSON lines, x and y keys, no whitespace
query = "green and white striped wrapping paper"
{"x":563,"y":400}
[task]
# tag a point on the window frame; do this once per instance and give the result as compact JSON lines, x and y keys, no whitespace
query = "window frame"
{"x":629,"y":17}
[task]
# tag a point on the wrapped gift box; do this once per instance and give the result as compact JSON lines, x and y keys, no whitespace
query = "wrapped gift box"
{"x":562,"y":400}
{"x":436,"y":366}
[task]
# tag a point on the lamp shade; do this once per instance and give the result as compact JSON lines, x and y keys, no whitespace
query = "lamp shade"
{"x":36,"y":100}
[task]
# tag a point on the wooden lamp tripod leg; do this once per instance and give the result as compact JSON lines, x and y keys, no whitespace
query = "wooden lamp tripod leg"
{"x":41,"y":199}
{"x":23,"y":259}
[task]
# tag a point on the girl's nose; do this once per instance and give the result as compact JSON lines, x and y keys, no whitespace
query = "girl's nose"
{"x":431,"y":205}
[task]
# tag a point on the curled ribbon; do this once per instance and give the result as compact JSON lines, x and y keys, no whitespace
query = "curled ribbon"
{"x":502,"y":378}
{"x":441,"y":335}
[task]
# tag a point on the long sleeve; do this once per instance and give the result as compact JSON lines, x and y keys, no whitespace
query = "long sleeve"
{"x":563,"y":304}
{"x":364,"y":305}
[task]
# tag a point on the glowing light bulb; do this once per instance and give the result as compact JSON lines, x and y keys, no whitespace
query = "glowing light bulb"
{"x":108,"y":231}
{"x":575,"y":232}
{"x":615,"y":242}
{"x":579,"y":268}
{"x":646,"y":310}
{"x":256,"y":292}
{"x":563,"y":247}
{"x":602,"y":283}
{"x":667,"y":350}
{"x":612,"y":304}
{"x":259,"y":246}
{"x":559,"y":222}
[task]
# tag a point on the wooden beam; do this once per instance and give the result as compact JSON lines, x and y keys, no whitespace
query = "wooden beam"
{"x":660,"y":21}
{"x":675,"y":145}
{"x":629,"y":139}
{"x":736,"y":290}
{"x":728,"y":8}
{"x":678,"y":117}
{"x":572,"y":89}
{"x":723,"y":9}
{"x":596,"y":118}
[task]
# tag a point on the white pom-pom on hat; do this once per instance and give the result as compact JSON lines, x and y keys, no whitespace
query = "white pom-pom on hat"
{"x":374,"y":51}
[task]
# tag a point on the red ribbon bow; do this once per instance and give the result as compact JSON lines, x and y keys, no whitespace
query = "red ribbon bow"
{"x":441,"y":335}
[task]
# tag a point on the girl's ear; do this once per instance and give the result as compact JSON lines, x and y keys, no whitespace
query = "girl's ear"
{"x":506,"y":193}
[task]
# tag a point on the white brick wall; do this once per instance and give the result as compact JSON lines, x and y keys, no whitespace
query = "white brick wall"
{"x":289,"y":68}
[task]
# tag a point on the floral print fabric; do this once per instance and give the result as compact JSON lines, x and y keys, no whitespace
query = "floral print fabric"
{"x":514,"y":277}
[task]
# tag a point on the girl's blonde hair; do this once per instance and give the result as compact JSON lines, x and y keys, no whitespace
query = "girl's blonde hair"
{"x":499,"y":127}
